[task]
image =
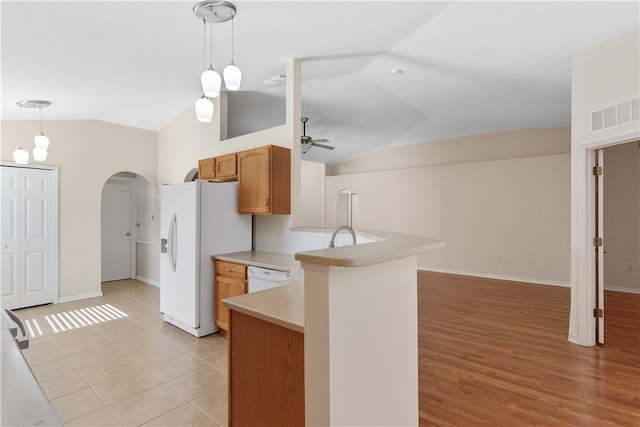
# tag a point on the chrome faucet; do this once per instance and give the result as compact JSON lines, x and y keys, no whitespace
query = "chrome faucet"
{"x":342,"y":227}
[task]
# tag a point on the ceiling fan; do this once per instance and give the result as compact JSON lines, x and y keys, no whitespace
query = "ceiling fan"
{"x":308,"y":142}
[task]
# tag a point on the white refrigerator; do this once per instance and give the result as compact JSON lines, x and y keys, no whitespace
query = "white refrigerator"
{"x":198,"y":219}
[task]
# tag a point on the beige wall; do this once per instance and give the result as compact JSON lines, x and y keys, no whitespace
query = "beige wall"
{"x":504,"y":145}
{"x":600,"y":76}
{"x":504,"y":218}
{"x":88,"y":152}
{"x":622,"y":217}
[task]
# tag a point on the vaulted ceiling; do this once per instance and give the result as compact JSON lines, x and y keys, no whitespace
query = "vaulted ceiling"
{"x":465,"y":67}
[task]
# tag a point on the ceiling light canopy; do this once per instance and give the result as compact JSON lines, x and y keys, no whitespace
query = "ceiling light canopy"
{"x":215,"y":12}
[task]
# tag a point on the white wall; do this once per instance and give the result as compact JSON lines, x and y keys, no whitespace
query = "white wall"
{"x":505,"y":218}
{"x":622,"y":217}
{"x":601,"y":76}
{"x":88,"y":152}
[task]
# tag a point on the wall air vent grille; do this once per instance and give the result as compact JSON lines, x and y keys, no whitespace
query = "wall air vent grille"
{"x":621,"y":114}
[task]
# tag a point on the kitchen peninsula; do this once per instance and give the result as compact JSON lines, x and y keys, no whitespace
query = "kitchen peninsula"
{"x":345,"y":332}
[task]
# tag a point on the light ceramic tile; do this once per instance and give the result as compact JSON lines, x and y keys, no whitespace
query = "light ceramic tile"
{"x":110,"y":368}
{"x":100,"y":418}
{"x":77,"y":404}
{"x":51,"y":369}
{"x":214,"y":404}
{"x":78,"y":341}
{"x":197,"y":383}
{"x":99,"y":356}
{"x":217,"y":357}
{"x":63,"y":384}
{"x":42,"y":350}
{"x":185,"y":415}
{"x":176,"y":366}
{"x":150,"y":354}
{"x":119,"y":387}
{"x":146,"y":406}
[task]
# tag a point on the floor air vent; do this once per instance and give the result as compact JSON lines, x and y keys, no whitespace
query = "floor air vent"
{"x":621,"y":114}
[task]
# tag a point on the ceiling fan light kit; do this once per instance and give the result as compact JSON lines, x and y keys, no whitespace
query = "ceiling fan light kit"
{"x":41,"y":141}
{"x":214,"y":12}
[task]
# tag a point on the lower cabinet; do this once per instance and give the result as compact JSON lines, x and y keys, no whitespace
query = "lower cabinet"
{"x":266,"y":373}
{"x":230,"y":281}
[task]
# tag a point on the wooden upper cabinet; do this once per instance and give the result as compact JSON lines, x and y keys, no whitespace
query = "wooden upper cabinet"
{"x":219,"y":169}
{"x":226,"y":167}
{"x":207,"y":168}
{"x":264,"y":181}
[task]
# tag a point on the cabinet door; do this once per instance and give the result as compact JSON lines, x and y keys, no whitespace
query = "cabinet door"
{"x":254,"y":184}
{"x":207,"y":168}
{"x":226,"y":167}
{"x":226,"y":287}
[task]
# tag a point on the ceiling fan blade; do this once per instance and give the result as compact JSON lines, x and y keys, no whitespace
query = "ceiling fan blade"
{"x":326,"y":147}
{"x":320,"y":140}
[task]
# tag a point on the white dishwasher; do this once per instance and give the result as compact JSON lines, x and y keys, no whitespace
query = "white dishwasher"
{"x":265,"y":278}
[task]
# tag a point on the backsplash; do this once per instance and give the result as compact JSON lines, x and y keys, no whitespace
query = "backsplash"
{"x":272,"y":233}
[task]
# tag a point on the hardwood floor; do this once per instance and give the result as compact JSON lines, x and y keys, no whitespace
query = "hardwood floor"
{"x":496,"y":352}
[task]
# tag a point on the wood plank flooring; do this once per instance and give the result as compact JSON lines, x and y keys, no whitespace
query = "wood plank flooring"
{"x":496,"y":352}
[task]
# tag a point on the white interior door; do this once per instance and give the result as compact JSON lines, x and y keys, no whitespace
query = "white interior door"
{"x":28,"y":237}
{"x":116,"y":231}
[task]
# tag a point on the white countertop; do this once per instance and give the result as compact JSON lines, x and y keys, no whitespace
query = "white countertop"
{"x":390,"y":246}
{"x":262,"y":259}
{"x":284,"y":305}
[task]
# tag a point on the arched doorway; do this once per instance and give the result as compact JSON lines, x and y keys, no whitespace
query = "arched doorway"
{"x":128,"y":225}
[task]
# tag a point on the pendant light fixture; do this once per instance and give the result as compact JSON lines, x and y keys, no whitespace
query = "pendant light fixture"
{"x":41,"y":141}
{"x":20,"y":155}
{"x":232,"y":74}
{"x":213,"y":12}
{"x":204,"y":109}
{"x":210,"y":78}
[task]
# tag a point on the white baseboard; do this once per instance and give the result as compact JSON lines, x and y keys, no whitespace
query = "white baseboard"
{"x":622,"y":289}
{"x":500,"y":277}
{"x":79,"y":297}
{"x":148,"y":281}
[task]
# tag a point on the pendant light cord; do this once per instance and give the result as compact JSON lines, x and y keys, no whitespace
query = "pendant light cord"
{"x":204,"y":43}
{"x":40,"y":115}
{"x":232,"y":31}
{"x":211,"y":46}
{"x":21,"y":127}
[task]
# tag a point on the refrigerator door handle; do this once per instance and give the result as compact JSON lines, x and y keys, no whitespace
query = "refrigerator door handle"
{"x":172,"y":242}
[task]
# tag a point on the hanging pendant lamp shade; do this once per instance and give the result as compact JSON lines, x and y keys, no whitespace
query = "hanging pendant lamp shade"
{"x":211,"y":83}
{"x":41,"y":141}
{"x":21,"y":156}
{"x":39,"y":154}
{"x":204,"y":110}
{"x":232,"y":77}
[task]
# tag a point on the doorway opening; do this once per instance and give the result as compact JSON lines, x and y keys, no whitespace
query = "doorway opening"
{"x":128,"y":228}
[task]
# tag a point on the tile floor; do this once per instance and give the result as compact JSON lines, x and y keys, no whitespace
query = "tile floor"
{"x":112,"y":361}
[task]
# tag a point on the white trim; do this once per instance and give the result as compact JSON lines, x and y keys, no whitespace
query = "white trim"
{"x":79,"y":297}
{"x":148,"y":281}
{"x":55,"y":268}
{"x":583,"y":286}
{"x":146,"y":242}
{"x":500,"y":277}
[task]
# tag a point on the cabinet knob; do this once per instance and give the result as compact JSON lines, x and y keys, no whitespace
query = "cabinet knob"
{"x":228,"y":269}
{"x":266,"y":201}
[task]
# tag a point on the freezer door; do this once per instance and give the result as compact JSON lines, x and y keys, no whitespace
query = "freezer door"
{"x":179,"y":265}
